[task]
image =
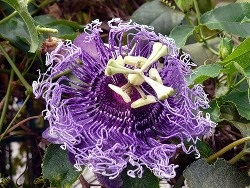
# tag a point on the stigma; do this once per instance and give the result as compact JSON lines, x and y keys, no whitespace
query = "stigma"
{"x":134,"y":68}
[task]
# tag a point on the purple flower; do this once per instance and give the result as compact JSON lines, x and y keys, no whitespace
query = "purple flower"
{"x":123,"y":102}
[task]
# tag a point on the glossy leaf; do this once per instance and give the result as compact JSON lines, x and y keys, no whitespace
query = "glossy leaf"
{"x":229,"y":18}
{"x":220,"y":174}
{"x":49,"y":21}
{"x":14,"y":30}
{"x":239,"y":55}
{"x":158,"y":15}
{"x":240,"y":100}
{"x":204,"y":72}
{"x":180,"y":34}
{"x":214,"y":111}
{"x":21,"y":8}
{"x":57,"y":168}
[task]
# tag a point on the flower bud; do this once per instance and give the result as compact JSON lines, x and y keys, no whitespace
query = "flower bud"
{"x":225,"y":48}
{"x":184,"y":5}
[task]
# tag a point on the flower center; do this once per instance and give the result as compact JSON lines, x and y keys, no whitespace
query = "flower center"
{"x":133,"y":68}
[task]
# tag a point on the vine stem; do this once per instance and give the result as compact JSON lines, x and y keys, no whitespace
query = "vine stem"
{"x":211,"y":49}
{"x":18,"y":112}
{"x":198,"y":14}
{"x":188,"y":20}
{"x":13,"y":14}
{"x":20,"y":123}
{"x":238,"y":156}
{"x":20,"y":76}
{"x":6,"y":101}
{"x":43,"y":4}
{"x":227,"y":148}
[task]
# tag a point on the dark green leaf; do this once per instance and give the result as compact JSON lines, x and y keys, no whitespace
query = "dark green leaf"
{"x":148,"y":180}
{"x":229,"y":18}
{"x":158,"y":15}
{"x":239,"y":55}
{"x":44,"y":19}
{"x":219,"y":175}
{"x":21,"y":8}
{"x":229,"y":112}
{"x":204,"y":72}
{"x":180,"y":34}
{"x":14,"y":30}
{"x":214,"y":111}
{"x":57,"y":168}
{"x":64,"y":31}
{"x":204,"y":149}
{"x":50,"y":21}
{"x":70,"y":24}
{"x":240,"y":100}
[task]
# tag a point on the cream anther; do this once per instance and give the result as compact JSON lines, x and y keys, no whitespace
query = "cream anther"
{"x":136,"y":61}
{"x":120,"y":92}
{"x":163,"y":92}
{"x":154,"y":74}
{"x":142,"y":102}
{"x":158,"y":51}
{"x":135,"y":79}
{"x":109,"y":71}
{"x":116,"y":66}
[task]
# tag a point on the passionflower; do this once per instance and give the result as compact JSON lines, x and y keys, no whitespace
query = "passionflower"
{"x":122,"y":102}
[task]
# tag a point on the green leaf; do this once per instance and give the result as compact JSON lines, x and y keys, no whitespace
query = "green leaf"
{"x":64,"y":31}
{"x":239,"y":55}
{"x":158,"y":15}
{"x":148,"y":180}
{"x":204,"y":149}
{"x":21,"y":8}
{"x":221,"y":174}
{"x":244,"y":127}
{"x":180,"y":34}
{"x":199,"y":53}
{"x":49,"y":21}
{"x":229,"y":18}
{"x":240,"y":100}
{"x":14,"y":30}
{"x":44,"y":19}
{"x":214,"y":111}
{"x":57,"y":167}
{"x":204,"y":72}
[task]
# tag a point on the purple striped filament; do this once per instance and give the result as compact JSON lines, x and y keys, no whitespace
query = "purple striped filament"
{"x":124,"y":102}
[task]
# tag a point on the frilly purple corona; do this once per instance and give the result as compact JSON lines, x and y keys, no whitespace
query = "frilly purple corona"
{"x":123,"y":102}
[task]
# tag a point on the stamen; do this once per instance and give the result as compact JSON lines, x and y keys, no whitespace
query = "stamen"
{"x":109,"y":71}
{"x":163,"y":92}
{"x":137,"y":61}
{"x":116,"y":66}
{"x":140,"y":92}
{"x":142,"y":102}
{"x":120,"y":92}
{"x":158,"y":51}
{"x":119,"y":60}
{"x":154,"y":74}
{"x":135,"y":79}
